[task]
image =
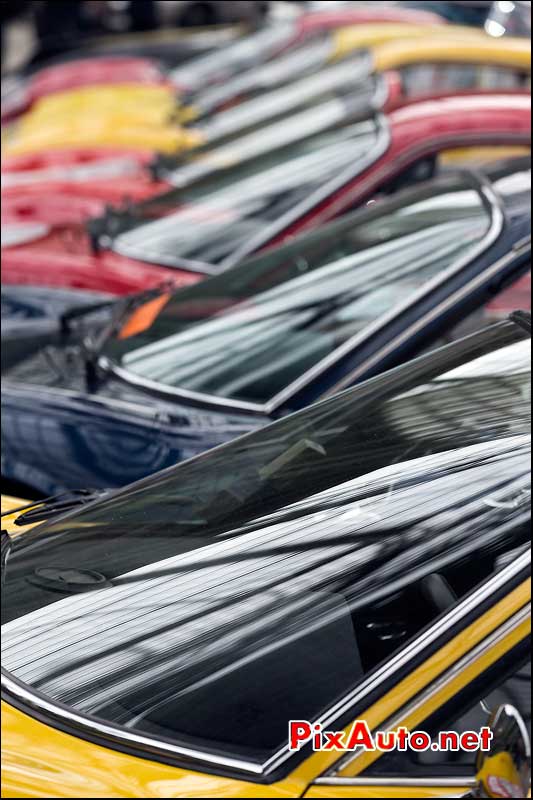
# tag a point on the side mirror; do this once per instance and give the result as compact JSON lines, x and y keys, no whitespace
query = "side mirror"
{"x":505,"y":770}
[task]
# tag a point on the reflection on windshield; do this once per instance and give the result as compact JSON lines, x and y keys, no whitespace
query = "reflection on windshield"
{"x":349,"y":76}
{"x":288,"y":67}
{"x":265,"y":141}
{"x":271,"y":337}
{"x":223,"y":63}
{"x":222,"y":213}
{"x":264,"y":579}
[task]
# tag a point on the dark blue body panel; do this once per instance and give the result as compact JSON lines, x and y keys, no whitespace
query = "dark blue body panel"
{"x":56,"y":434}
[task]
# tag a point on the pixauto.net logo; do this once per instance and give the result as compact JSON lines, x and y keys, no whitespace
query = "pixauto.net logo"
{"x":360,"y":737}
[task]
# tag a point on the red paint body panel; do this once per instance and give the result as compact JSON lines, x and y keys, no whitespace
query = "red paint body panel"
{"x":93,"y":72}
{"x":516,"y":297}
{"x":54,"y":208}
{"x":58,"y":203}
{"x":71,"y":157}
{"x":422,"y":129}
{"x":396,"y":98}
{"x":317,"y":21}
{"x":76,"y":267}
{"x":416,"y":131}
{"x":108,"y":174}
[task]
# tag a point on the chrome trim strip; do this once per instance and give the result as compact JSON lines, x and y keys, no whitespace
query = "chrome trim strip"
{"x":347,"y":380}
{"x":380,"y":147}
{"x":496,"y":224}
{"x":431,"y":635}
{"x":178,"y":393}
{"x":117,"y":734}
{"x":400,"y":782}
{"x":443,"y":680}
{"x":148,"y":745}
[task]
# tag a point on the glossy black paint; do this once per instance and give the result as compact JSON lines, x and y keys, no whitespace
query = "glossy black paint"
{"x":57,"y":434}
{"x":31,"y":317}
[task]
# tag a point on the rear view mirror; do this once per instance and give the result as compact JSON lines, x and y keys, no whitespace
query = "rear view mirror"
{"x":505,"y":770}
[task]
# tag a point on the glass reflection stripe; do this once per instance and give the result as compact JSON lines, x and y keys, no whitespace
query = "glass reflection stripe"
{"x":32,"y":702}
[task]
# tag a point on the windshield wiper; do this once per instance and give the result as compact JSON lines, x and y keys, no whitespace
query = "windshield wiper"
{"x":66,"y":318}
{"x":39,"y":510}
{"x":115,"y":220}
{"x":92,"y":345}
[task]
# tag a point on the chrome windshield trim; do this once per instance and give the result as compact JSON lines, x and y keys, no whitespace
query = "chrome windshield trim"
{"x":380,"y":147}
{"x":496,"y":223}
{"x":147,"y":745}
{"x":188,"y":396}
{"x":116,"y":734}
{"x":443,"y":680}
{"x":400,"y":782}
{"x":483,"y":276}
{"x":492,"y":203}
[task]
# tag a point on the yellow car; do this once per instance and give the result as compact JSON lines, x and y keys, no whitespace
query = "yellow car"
{"x":147,"y":116}
{"x":231,"y":626}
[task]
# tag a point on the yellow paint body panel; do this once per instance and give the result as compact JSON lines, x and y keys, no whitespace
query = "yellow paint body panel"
{"x":479,"y":156}
{"x":38,"y":761}
{"x":461,"y":49}
{"x":102,"y":116}
{"x":104,"y":132}
{"x":150,"y":105}
{"x":355,"y":37}
{"x":10,"y":503}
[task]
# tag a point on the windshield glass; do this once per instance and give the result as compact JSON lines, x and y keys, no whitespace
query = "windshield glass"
{"x":299,"y":61}
{"x":223,"y":213}
{"x":350,"y":77}
{"x":263,"y":580}
{"x":225,"y":62}
{"x":268,"y":139}
{"x":248,"y":334}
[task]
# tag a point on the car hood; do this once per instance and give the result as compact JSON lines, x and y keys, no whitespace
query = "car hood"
{"x":31,"y":318}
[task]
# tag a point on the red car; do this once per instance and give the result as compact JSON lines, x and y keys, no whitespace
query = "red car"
{"x":205,"y":69}
{"x":211,"y":224}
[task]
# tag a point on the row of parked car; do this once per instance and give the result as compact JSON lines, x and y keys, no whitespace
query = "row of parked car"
{"x":266,"y":411}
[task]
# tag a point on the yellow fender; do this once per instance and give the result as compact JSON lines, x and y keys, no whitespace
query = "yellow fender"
{"x":10,"y":503}
{"x":480,"y":49}
{"x":355,"y":37}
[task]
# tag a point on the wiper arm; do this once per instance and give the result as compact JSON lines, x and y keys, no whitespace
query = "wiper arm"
{"x":115,"y":220}
{"x":92,"y":346}
{"x":71,"y":314}
{"x":39,"y":510}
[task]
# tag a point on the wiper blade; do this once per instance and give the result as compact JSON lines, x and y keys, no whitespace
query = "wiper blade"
{"x":39,"y":510}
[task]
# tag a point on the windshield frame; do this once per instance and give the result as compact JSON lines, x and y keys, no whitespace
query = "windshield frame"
{"x":270,"y":231}
{"x":496,"y":221}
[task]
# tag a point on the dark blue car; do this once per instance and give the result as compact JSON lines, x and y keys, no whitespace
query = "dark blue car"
{"x":172,"y":375}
